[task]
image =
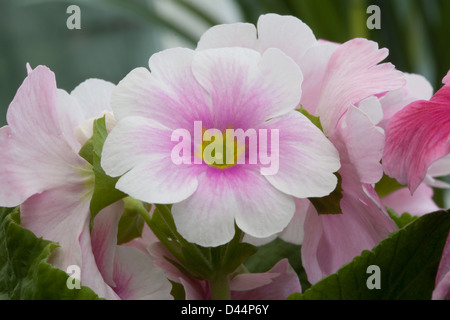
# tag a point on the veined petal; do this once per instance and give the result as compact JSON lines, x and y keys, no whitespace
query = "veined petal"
{"x":223,"y":196}
{"x":168,"y":94}
{"x":104,"y":240}
{"x":137,"y":278}
{"x":417,"y":87}
{"x":59,"y":215}
{"x":354,"y":74}
{"x":416,"y":137}
{"x":364,"y":143}
{"x":333,"y":240}
{"x":34,"y":139}
{"x":140,"y":150}
{"x":314,"y":67}
{"x":307,"y":159}
{"x":246,"y":88}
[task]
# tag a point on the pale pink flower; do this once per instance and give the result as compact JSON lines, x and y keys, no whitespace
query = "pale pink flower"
{"x":338,"y":78}
{"x":225,"y":88}
{"x":41,"y":171}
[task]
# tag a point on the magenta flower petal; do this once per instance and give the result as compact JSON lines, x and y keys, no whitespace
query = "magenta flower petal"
{"x":416,"y":137}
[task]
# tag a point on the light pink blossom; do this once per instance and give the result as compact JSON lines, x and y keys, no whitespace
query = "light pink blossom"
{"x":223,"y":88}
{"x":41,"y":171}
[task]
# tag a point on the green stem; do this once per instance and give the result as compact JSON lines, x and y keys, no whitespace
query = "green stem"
{"x":219,"y":287}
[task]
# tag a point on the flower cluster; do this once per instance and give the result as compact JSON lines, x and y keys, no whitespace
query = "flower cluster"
{"x":261,"y":132}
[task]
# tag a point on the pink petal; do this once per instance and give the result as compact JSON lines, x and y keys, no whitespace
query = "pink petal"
{"x":442,"y":290}
{"x":168,"y":94}
{"x":104,"y":239}
{"x":246,"y":88}
{"x":314,"y":67}
{"x":94,"y":97}
{"x":417,"y":88}
{"x":277,"y":284}
{"x":287,"y":33}
{"x":59,"y":215}
{"x":62,"y":215}
{"x":333,"y":240}
{"x":420,"y":203}
{"x":416,"y":137}
{"x":353,"y":74}
{"x":307,"y":159}
{"x":207,"y":217}
{"x":364,"y":143}
{"x":34,"y":138}
{"x":140,"y":150}
{"x":294,"y":232}
{"x":137,"y":278}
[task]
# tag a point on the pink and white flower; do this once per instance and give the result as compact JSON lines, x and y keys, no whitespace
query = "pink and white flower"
{"x":41,"y":171}
{"x":338,"y":78}
{"x":224,"y":88}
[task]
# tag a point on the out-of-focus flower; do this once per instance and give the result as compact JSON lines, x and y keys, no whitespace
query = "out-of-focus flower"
{"x":276,"y":284}
{"x":41,"y":170}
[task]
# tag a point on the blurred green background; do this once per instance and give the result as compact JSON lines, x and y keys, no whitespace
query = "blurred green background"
{"x":119,"y":35}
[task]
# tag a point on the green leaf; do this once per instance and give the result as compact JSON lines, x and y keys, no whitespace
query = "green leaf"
{"x":105,"y":192}
{"x":268,"y":255}
{"x":408,"y":260}
{"x":315,"y":120}
{"x":131,"y":223}
{"x":24,"y":271}
{"x":387,"y":185}
{"x":402,"y":220}
{"x":330,"y":204}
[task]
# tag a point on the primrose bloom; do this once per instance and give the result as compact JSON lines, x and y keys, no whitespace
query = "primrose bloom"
{"x":171,"y":144}
{"x":41,"y":170}
{"x":339,"y":86}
